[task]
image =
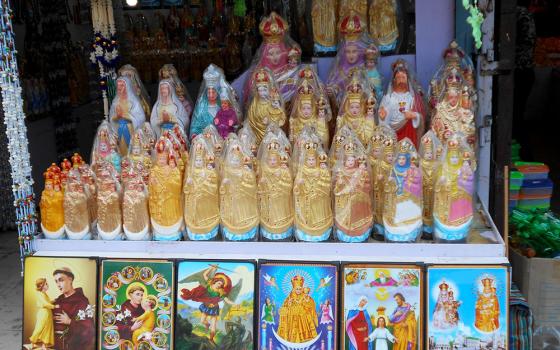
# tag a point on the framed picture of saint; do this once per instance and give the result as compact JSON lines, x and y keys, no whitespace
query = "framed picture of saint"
{"x":215,"y":304}
{"x":297,"y":305}
{"x":137,"y":304}
{"x":382,"y":306}
{"x":59,"y":303}
{"x":467,"y":306}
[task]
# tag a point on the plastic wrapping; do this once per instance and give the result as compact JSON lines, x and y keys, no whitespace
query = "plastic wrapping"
{"x":266,"y":105}
{"x":343,"y":135}
{"x":104,"y":148}
{"x":135,"y":209}
{"x":354,"y":111}
{"x":109,"y":213}
{"x":168,"y":71}
{"x":279,"y":53}
{"x":201,"y":192}
{"x":384,"y":24}
{"x":138,"y":87}
{"x":165,"y":195}
{"x":430,"y":151}
{"x":275,"y":185}
{"x":149,"y":140}
{"x":353,"y":44}
{"x":138,"y":152}
{"x":323,"y":16}
{"x":402,"y":107}
{"x":402,"y":212}
{"x":312,"y":190}
{"x":454,"y":189}
{"x":168,"y":109}
{"x":52,"y":205}
{"x":310,"y":108}
{"x":89,"y":179}
{"x":76,"y":212}
{"x":353,"y":211}
{"x":216,"y":142}
{"x":209,"y":110}
{"x":238,"y":194}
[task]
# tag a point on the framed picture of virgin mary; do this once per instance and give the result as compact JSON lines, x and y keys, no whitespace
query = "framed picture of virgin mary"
{"x":467,"y":307}
{"x":59,"y":303}
{"x":298,"y":305}
{"x":382,"y":306}
{"x":136,"y":303}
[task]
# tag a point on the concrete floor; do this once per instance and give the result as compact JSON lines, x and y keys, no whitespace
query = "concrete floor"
{"x":11,"y":289}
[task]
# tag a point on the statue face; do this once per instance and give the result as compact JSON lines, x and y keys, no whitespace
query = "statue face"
{"x":48,"y":186}
{"x":400,"y":82}
{"x":311,"y":161}
{"x":389,"y":157}
{"x":212,"y":95}
{"x":162,"y":158}
{"x":164,"y":90}
{"x":263,"y":91}
{"x":429,"y":155}
{"x":352,"y":54}
{"x":355,"y":108}
{"x":401,"y":160}
{"x":225,"y":104}
{"x":121,"y":88}
{"x":306,"y":109}
{"x":453,"y":97}
{"x":454,"y":159}
{"x":350,"y":162}
{"x":376,"y":152}
{"x":198,"y":162}
{"x":274,"y":55}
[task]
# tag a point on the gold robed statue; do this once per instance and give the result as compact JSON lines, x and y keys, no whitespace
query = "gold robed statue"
{"x":383,"y":24}
{"x":136,"y":216}
{"x":52,"y":206}
{"x":266,"y":105}
{"x":487,"y":308}
{"x":324,"y":20}
{"x":358,"y":7}
{"x":76,"y":212}
{"x":430,"y":151}
{"x":352,"y":194}
{"x":298,"y":319}
{"x":238,"y":194}
{"x":201,"y":200}
{"x":109,"y":214}
{"x":354,"y":114}
{"x":165,"y":193}
{"x":306,"y":112}
{"x":275,"y":184}
{"x":312,"y":194}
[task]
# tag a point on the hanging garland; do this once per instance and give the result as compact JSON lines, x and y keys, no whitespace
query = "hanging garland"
{"x":105,"y":46}
{"x":14,"y":118}
{"x":475,"y":19}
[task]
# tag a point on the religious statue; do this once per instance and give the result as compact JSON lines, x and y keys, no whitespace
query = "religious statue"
{"x":52,"y":206}
{"x":275,"y":184}
{"x":487,"y":308}
{"x":357,"y":7}
{"x":165,"y":185}
{"x":76,"y":213}
{"x":138,"y":87}
{"x":168,"y":109}
{"x":168,"y":71}
{"x":298,"y":319}
{"x":305,"y":112}
{"x":323,"y":17}
{"x":375,"y":79}
{"x":450,"y":117}
{"x":429,"y":164}
{"x":343,"y":134}
{"x":353,"y":211}
{"x":138,"y":153}
{"x":354,"y":113}
{"x":226,"y":120}
{"x":135,"y":210}
{"x":109,"y":214}
{"x":402,"y":107}
{"x":351,"y":56}
{"x":266,"y":105}
{"x":208,"y":102}
{"x":238,"y":194}
{"x":201,"y":192}
{"x":402,"y":212}
{"x":104,"y":148}
{"x":383,"y":24}
{"x":454,"y":189}
{"x":273,"y":54}
{"x":312,"y":193}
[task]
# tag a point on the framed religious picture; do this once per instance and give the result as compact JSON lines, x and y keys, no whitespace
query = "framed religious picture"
{"x":59,"y":295}
{"x":136,"y":302}
{"x":467,"y":306}
{"x":297,"y":305}
{"x":215,"y":305}
{"x":382,"y":306}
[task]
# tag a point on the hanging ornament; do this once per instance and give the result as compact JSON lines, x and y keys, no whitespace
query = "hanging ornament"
{"x":475,"y":19}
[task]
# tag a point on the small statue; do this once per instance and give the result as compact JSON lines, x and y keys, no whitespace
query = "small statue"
{"x":104,"y":148}
{"x":201,"y":192}
{"x":52,"y":207}
{"x":324,"y":16}
{"x":90,"y":183}
{"x":275,"y":184}
{"x":353,"y":211}
{"x":226,"y":119}
{"x":238,"y":194}
{"x":402,"y":212}
{"x":305,"y":112}
{"x":429,"y":164}
{"x":357,"y":7}
{"x":138,"y":87}
{"x":165,"y":193}
{"x":454,"y":189}
{"x":168,"y":71}
{"x":76,"y":212}
{"x":312,"y":193}
{"x":374,"y":77}
{"x":135,"y":209}
{"x":354,"y":112}
{"x":109,"y":214}
{"x":168,"y":109}
{"x":383,"y":24}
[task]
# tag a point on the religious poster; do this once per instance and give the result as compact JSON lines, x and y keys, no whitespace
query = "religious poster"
{"x":297,"y":305}
{"x":382,"y":307}
{"x":136,"y":302}
{"x":215,"y":305}
{"x":467,"y":307}
{"x":59,"y":301}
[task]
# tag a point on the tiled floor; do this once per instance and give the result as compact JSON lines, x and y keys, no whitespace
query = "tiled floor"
{"x":11,"y":288}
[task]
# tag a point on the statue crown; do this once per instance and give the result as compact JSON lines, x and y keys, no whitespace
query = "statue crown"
{"x":273,"y":28}
{"x":211,"y":76}
{"x":351,"y":26}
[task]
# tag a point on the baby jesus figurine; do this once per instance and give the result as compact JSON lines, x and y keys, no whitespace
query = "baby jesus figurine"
{"x":148,"y":319}
{"x":226,"y":119}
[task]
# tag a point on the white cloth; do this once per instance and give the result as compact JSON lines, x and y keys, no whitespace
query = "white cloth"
{"x":381,"y":336}
{"x":395,"y":118}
